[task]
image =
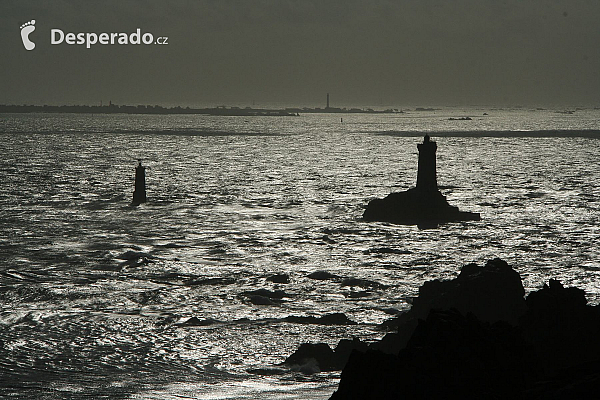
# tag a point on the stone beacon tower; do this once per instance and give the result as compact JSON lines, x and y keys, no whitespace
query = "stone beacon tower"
{"x":422,"y":205}
{"x":426,"y":175}
{"x":139,"y":194}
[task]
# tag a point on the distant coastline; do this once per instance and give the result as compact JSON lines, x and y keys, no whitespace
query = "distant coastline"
{"x":156,"y":109}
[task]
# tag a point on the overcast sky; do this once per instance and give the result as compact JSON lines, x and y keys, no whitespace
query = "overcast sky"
{"x":364,"y":53}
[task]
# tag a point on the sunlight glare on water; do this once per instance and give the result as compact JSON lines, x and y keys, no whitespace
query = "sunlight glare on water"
{"x":94,"y":291}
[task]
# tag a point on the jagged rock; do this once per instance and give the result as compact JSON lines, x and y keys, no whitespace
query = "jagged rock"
{"x":131,"y":255}
{"x":371,"y":375}
{"x":264,"y":297}
{"x":450,"y":356}
{"x":579,"y":382}
{"x":363,"y":283}
{"x":134,"y":259}
{"x":195,"y":321}
{"x":322,"y":275}
{"x":555,"y":300}
{"x":346,"y":346}
{"x":310,"y":353}
{"x":327,"y":319}
{"x":424,"y":208}
{"x":320,"y":357}
{"x":279,"y":278}
{"x":492,"y":293}
{"x":549,"y":350}
{"x":563,"y":328}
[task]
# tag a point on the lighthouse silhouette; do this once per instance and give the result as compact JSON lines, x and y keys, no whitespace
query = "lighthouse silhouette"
{"x":423,"y":205}
{"x":139,"y":194}
{"x":426,"y":172}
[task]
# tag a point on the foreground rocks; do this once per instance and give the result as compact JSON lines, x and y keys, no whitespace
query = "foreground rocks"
{"x":476,"y":337}
{"x":311,"y":358}
{"x":448,"y":356}
{"x":492,"y":293}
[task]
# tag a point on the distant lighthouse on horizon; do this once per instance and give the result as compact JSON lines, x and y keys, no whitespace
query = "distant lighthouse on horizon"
{"x":327,"y":100}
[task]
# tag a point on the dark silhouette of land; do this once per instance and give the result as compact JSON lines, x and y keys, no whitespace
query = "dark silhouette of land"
{"x":156,"y":109}
{"x":423,"y":205}
{"x":473,"y":337}
{"x":477,"y":337}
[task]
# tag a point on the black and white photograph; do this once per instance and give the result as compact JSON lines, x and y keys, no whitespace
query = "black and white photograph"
{"x":300,"y":199}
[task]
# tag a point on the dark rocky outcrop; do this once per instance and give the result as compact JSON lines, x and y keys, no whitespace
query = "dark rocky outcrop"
{"x":195,"y":321}
{"x":327,"y":319}
{"x":279,"y":278}
{"x":311,"y":358}
{"x":264,"y":297}
{"x":423,"y":205}
{"x":492,"y":293}
{"x":456,"y":343}
{"x":564,"y":330}
{"x":134,"y":259}
{"x":322,"y":276}
{"x":363,"y":283}
{"x":449,"y":356}
{"x":425,"y":209}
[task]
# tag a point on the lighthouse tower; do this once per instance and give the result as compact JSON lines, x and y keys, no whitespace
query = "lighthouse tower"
{"x":426,"y":175}
{"x":424,"y":205}
{"x":139,"y":195}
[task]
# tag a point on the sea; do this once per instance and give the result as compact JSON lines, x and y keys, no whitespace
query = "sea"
{"x":98,"y":296}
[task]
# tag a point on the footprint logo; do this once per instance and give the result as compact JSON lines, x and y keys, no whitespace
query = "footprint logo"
{"x":26,"y":29}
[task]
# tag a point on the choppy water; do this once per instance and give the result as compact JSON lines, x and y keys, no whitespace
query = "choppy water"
{"x":93,"y":290}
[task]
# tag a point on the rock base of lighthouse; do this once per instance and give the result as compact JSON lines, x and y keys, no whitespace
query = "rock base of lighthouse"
{"x":424,"y":208}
